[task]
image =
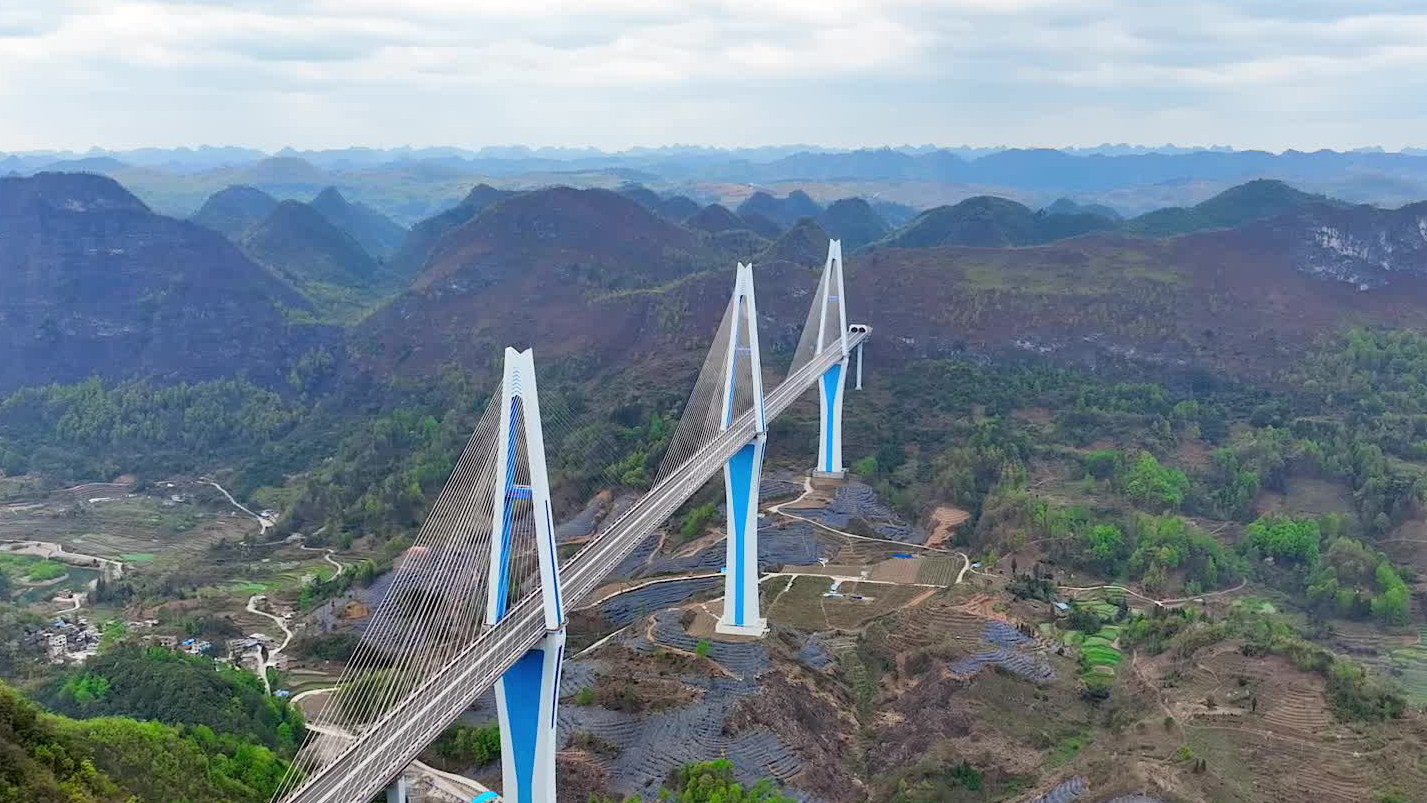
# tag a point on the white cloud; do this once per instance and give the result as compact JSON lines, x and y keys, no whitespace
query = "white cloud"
{"x":621,"y":72}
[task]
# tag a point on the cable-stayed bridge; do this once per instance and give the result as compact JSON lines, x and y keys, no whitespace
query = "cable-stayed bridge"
{"x":480,"y":600}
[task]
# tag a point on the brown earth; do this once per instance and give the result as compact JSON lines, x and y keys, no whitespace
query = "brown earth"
{"x":945,"y":520}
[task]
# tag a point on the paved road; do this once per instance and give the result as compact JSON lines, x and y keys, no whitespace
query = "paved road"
{"x":327,"y":557}
{"x":262,"y":522}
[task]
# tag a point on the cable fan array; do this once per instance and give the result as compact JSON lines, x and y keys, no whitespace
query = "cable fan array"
{"x":704,"y":415}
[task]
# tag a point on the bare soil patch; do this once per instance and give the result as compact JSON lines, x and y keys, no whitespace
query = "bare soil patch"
{"x":945,"y":520}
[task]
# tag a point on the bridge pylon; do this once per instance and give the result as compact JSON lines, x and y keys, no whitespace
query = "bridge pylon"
{"x":528,"y":693}
{"x":743,"y":382}
{"x":830,"y":304}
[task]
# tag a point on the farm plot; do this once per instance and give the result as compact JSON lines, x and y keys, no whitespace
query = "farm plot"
{"x":805,"y":606}
{"x":1409,"y":666}
{"x":939,"y":570}
{"x":623,"y":609}
{"x":930,"y":622}
{"x":1264,"y":770}
{"x":1006,"y":653}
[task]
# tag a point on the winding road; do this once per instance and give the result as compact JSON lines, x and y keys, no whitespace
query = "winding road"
{"x":262,"y":522}
{"x":327,"y":557}
{"x":272,"y":654}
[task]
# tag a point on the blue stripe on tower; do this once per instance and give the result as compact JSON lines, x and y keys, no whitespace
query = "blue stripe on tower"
{"x":830,"y":380}
{"x":506,"y":532}
{"x":522,"y":691}
{"x":740,"y":473}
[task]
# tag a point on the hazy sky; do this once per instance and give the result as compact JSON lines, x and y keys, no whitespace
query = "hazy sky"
{"x":614,"y":73}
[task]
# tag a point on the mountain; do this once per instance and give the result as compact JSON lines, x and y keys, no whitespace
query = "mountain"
{"x":378,"y":234}
{"x":1258,"y":199}
{"x":853,"y":221}
{"x":527,"y":270}
{"x":990,"y":222}
{"x":679,"y":207}
{"x":289,"y":171}
{"x":1363,"y":246}
{"x":306,"y":250}
{"x":234,"y":210}
{"x":1065,"y":206}
{"x":783,"y":211}
{"x":761,"y":225}
{"x":92,"y":164}
{"x":93,"y":283}
{"x":805,"y":244}
{"x":423,"y":237}
{"x":896,"y":215}
{"x":715,"y":218}
{"x":674,"y":207}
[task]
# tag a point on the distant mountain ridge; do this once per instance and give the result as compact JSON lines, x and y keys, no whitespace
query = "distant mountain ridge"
{"x":407,"y":185}
{"x":994,"y":222}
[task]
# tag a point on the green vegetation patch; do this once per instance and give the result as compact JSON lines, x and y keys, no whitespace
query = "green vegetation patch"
{"x":178,"y":689}
{"x":138,"y":557}
{"x":1068,"y":748}
{"x":1100,"y":655}
{"x":1409,"y":666}
{"x":45,"y":571}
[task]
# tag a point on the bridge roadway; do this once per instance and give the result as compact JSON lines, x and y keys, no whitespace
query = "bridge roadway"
{"x":367,"y":765}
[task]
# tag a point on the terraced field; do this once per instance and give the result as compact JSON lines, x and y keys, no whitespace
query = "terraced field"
{"x":1409,"y":665}
{"x":804,"y":606}
{"x":649,"y":745}
{"x":934,"y":620}
{"x":631,"y":605}
{"x":139,"y":526}
{"x":1010,"y":652}
{"x":1099,"y":651}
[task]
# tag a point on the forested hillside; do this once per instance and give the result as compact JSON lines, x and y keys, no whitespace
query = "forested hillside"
{"x":54,"y":759}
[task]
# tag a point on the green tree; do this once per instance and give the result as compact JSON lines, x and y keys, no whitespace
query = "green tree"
{"x":1106,"y":543}
{"x":1285,"y":539}
{"x":1151,"y":485}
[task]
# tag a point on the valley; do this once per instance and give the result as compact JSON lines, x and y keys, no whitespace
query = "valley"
{"x":1135,"y":512}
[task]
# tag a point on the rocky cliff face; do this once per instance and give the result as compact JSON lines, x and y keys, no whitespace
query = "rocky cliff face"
{"x":94,"y":283}
{"x":1362,"y":246}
